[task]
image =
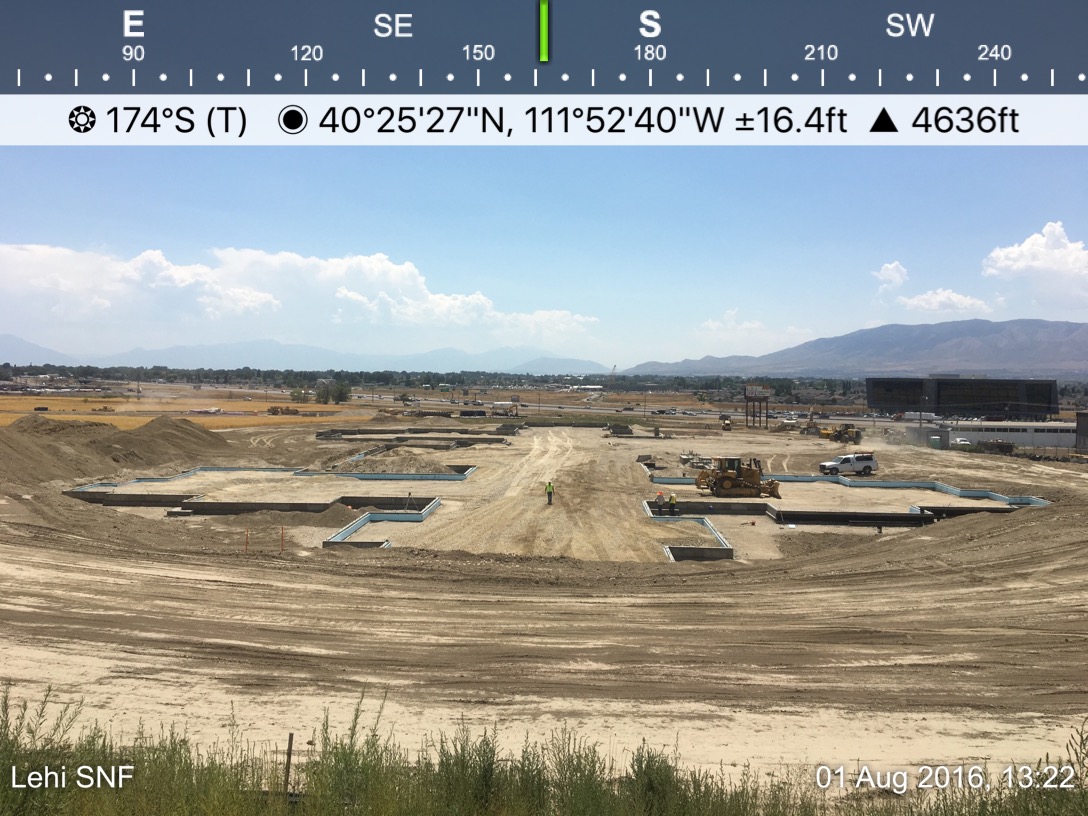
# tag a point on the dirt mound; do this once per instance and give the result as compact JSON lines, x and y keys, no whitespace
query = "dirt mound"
{"x":160,"y":441}
{"x":338,"y":461}
{"x":60,"y":430}
{"x":337,"y":516}
{"x":25,"y":460}
{"x":436,"y":422}
{"x":179,"y":432}
{"x":387,"y":416}
{"x":397,"y":460}
{"x":34,"y":449}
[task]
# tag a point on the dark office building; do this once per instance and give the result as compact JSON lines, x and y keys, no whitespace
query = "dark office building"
{"x":964,"y":396}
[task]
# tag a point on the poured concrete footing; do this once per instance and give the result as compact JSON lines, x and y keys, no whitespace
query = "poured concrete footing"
{"x":358,"y":545}
{"x":683,"y":553}
{"x":339,"y":432}
{"x":676,"y":553}
{"x":344,"y":534}
{"x":916,"y":517}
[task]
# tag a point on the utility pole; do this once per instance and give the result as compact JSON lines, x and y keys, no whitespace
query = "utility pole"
{"x":921,"y":410}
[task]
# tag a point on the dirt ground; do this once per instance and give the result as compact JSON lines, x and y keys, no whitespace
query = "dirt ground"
{"x":962,"y":641}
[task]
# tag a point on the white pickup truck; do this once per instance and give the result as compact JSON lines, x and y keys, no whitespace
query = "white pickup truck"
{"x":863,"y":463}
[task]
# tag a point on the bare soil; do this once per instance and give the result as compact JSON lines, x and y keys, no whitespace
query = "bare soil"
{"x":961,"y":641}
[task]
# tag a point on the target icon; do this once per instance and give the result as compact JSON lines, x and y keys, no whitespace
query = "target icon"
{"x":81,"y":119}
{"x":293,"y":119}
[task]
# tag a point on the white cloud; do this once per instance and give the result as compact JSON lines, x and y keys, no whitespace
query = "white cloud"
{"x":421,"y":307}
{"x":69,"y":282}
{"x":1054,"y":268}
{"x":555,"y":328}
{"x":374,"y":270}
{"x":222,"y":301}
{"x":729,"y":334}
{"x":1047,"y":253}
{"x":399,"y":294}
{"x":891,"y":276}
{"x":469,"y":311}
{"x":60,"y":272}
{"x":944,"y":300}
{"x":728,"y":323}
{"x":152,"y":294}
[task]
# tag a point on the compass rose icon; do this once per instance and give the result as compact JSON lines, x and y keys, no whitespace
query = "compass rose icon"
{"x":81,"y":119}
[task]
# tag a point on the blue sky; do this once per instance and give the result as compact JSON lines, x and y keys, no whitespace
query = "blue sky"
{"x":618,"y":255}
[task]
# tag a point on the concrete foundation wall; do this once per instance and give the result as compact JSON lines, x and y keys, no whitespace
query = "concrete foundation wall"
{"x":712,"y":508}
{"x":462,"y":473}
{"x":394,"y":504}
{"x":917,"y":516}
{"x":220,"y":508}
{"x":146,"y":499}
{"x":943,"y":511}
{"x":346,"y":432}
{"x":853,"y":519}
{"x":359,"y":545}
{"x":346,"y":532}
{"x":940,"y":487}
{"x":699,"y":553}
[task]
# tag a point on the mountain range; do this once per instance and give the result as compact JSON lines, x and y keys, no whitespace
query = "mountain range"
{"x":271,"y":354}
{"x":1040,"y":348}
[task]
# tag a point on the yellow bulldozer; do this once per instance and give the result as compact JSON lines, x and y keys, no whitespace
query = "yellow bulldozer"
{"x":732,"y":476}
{"x":842,"y":433}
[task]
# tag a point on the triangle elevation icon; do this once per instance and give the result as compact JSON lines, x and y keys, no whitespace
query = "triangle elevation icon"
{"x":883,"y":123}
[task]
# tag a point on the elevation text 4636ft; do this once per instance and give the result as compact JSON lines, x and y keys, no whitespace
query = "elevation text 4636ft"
{"x":967,"y":119}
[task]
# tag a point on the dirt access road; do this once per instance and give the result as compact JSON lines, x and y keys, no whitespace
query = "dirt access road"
{"x":962,"y":641}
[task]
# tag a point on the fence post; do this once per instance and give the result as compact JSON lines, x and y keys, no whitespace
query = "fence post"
{"x":287,"y":771}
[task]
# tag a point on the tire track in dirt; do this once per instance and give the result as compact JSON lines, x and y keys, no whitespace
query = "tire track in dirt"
{"x":527,"y":470}
{"x":267,"y":440}
{"x":594,"y":516}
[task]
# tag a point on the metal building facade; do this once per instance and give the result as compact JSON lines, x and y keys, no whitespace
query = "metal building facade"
{"x":964,"y":396}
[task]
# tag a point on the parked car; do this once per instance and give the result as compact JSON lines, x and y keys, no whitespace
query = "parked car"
{"x":960,"y":442}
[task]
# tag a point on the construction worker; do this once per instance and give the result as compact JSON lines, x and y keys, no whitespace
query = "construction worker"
{"x":672,"y":504}
{"x":660,"y":501}
{"x":549,"y":489}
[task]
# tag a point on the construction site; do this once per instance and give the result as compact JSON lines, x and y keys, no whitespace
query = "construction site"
{"x":700,"y":588}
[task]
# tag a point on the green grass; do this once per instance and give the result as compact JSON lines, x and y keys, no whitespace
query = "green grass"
{"x":362,"y":772}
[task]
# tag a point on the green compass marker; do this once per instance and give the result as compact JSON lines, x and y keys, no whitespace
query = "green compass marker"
{"x":544,"y":37}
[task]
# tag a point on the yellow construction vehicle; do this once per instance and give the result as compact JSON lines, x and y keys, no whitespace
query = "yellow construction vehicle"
{"x":731,"y":476}
{"x":842,"y":433}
